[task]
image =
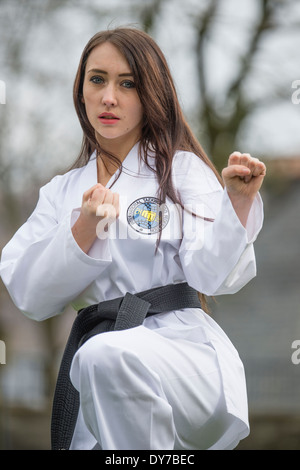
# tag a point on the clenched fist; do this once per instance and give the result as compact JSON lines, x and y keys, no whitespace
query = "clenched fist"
{"x":243,"y":178}
{"x":243,"y":175}
{"x":99,"y":201}
{"x":98,"y":204}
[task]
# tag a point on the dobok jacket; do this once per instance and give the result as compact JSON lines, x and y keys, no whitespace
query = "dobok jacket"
{"x":44,"y":269}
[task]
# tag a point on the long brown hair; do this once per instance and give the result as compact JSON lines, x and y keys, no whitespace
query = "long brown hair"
{"x":165,"y":129}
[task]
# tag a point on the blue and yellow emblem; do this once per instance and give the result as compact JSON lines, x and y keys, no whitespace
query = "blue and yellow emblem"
{"x":147,"y":215}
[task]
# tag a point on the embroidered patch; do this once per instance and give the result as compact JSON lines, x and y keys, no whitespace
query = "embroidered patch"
{"x":147,"y":215}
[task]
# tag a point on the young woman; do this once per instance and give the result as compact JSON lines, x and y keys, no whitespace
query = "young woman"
{"x":143,"y":208}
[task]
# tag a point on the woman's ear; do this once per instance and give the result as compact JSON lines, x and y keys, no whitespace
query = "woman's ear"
{"x":82,"y":99}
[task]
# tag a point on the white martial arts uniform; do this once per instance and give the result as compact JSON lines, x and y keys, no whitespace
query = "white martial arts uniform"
{"x":175,"y":382}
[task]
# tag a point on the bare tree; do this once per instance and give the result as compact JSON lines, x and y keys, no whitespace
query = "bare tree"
{"x":221,"y":124}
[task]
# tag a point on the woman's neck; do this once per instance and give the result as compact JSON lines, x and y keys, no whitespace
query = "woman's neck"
{"x":107,"y":166}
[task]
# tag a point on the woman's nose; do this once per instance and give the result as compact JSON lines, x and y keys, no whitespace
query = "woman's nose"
{"x":109,"y":97}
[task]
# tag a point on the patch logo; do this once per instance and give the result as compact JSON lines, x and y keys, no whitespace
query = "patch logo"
{"x":147,"y":215}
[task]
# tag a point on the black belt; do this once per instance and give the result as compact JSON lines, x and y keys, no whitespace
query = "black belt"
{"x":117,"y":314}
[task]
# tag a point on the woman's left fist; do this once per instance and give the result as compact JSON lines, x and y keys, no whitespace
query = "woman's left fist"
{"x":244,"y":175}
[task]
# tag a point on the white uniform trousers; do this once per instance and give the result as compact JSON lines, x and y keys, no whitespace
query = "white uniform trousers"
{"x":140,"y":389}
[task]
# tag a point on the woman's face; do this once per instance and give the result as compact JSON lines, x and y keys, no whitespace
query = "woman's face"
{"x":112,"y":104}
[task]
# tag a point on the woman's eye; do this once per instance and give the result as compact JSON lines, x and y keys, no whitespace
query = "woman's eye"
{"x":128,"y":84}
{"x":97,"y":80}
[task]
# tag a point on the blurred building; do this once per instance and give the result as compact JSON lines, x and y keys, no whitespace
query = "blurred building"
{"x":263,"y":319}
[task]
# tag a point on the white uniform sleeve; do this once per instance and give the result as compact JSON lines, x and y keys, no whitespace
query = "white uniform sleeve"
{"x":217,"y":257}
{"x":42,"y":266}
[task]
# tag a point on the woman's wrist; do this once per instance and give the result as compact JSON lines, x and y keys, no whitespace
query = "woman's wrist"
{"x":84,"y":234}
{"x":242,"y":205}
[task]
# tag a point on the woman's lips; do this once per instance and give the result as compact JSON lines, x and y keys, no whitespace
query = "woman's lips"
{"x":108,"y":118}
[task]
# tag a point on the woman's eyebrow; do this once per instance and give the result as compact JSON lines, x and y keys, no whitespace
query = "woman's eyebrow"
{"x":127,"y":74}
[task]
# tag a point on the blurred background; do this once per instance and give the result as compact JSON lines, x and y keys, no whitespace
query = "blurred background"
{"x":236,"y":65}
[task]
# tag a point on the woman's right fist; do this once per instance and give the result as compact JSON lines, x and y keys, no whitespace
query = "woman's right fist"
{"x":100,"y":207}
{"x":99,"y":201}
